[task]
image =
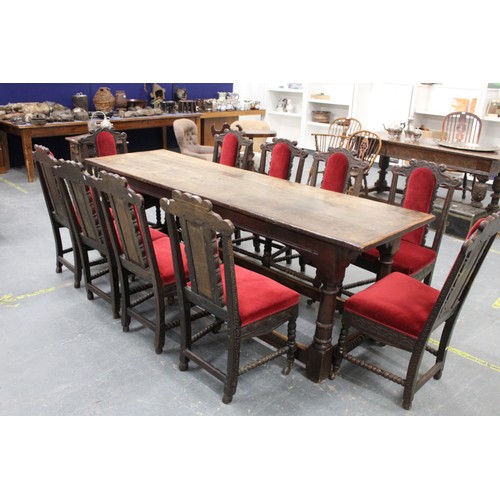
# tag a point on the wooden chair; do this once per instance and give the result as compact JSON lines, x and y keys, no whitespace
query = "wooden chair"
{"x":338,"y":134}
{"x":461,"y":127}
{"x":186,"y":134}
{"x":44,"y":161}
{"x":366,"y":146}
{"x":94,"y":245}
{"x":338,"y":167}
{"x":103,"y":142}
{"x":278,"y":159}
{"x":244,"y":303}
{"x":233,"y":149}
{"x":224,"y":128}
{"x":108,"y":142}
{"x":143,"y":255}
{"x":414,"y":257}
{"x":402,"y":312}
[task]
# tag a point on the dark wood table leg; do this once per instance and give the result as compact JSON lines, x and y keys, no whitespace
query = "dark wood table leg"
{"x":381,"y":183}
{"x":495,"y":196}
{"x":319,"y":353}
{"x":4,"y":151}
{"x":479,"y":189}
{"x":387,"y":252}
{"x":27,"y":145}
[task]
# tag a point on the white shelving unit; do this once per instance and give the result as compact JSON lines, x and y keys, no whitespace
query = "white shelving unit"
{"x":374,"y":104}
{"x":298,"y":122}
{"x":431,"y":102}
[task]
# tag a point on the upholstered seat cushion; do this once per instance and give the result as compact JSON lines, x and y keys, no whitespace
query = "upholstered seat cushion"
{"x":260,"y":296}
{"x":409,"y":259}
{"x":335,"y":173}
{"x":396,"y":301}
{"x":280,"y":161}
{"x":163,"y":252}
{"x":229,"y":150}
{"x":155,"y":234}
{"x":105,"y":143}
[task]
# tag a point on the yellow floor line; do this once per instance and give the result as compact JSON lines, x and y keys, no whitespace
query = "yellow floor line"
{"x":468,"y":356}
{"x":495,"y":251}
{"x":10,"y":300}
{"x":496,"y":304}
{"x":13,"y":185}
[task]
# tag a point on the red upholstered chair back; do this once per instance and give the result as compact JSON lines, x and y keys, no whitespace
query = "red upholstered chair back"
{"x":229,"y":150}
{"x":105,"y":143}
{"x":334,"y":178}
{"x":281,"y":161}
{"x":420,"y":192}
{"x":280,"y":156}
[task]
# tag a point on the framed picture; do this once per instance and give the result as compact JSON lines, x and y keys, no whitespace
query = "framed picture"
{"x":493,"y":108}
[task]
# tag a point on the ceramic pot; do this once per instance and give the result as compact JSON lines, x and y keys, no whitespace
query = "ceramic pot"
{"x":120,"y":99}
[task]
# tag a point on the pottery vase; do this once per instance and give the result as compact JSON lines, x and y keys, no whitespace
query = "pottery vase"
{"x":120,"y":99}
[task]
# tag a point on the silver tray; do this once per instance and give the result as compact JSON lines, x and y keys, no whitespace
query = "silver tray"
{"x":469,"y":146}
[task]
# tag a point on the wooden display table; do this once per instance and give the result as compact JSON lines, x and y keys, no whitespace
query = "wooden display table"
{"x":218,"y":118}
{"x":62,"y":129}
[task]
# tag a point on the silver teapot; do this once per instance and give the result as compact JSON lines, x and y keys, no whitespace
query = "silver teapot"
{"x":394,"y":130}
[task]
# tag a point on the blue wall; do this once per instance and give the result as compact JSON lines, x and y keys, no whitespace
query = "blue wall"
{"x":62,"y":93}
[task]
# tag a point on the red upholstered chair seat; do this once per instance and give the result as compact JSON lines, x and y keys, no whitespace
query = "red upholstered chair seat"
{"x":335,"y":173}
{"x":260,"y":296}
{"x":280,"y":161}
{"x":409,"y":259}
{"x":105,"y":143}
{"x":407,"y":308}
{"x":229,"y":150}
{"x":155,"y":234}
{"x":163,"y":252}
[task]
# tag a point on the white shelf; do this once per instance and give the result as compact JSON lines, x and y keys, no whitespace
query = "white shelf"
{"x":281,"y":113}
{"x":420,"y":112}
{"x":494,"y":119}
{"x":329,"y":102}
{"x":284,"y":89}
{"x":318,"y":124}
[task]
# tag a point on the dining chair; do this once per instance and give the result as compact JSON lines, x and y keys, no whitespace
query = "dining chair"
{"x":402,"y":312}
{"x":366,"y":145}
{"x":103,"y":142}
{"x":233,"y":149}
{"x":242,"y":303}
{"x":186,"y":134}
{"x":339,"y":166}
{"x":94,"y":245}
{"x":279,"y":158}
{"x":44,"y":161}
{"x":341,"y":171}
{"x":415,"y":257}
{"x":108,"y":142}
{"x":464,"y":127}
{"x":338,"y":134}
{"x":142,"y":253}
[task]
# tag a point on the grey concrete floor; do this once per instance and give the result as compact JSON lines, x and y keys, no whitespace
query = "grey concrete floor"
{"x":62,"y":354}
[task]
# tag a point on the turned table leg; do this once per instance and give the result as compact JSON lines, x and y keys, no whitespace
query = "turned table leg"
{"x":495,"y":196}
{"x":381,"y":183}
